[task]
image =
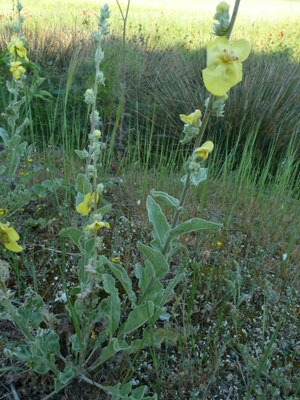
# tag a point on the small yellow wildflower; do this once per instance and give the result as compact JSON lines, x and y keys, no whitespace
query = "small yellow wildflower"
{"x":16,"y":69}
{"x":115,"y":259}
{"x":93,"y":336}
{"x":219,"y":243}
{"x":204,"y":150}
{"x":192,"y":119}
{"x":224,"y":64}
{"x":30,"y":160}
{"x":16,"y":48}
{"x":90,"y":200}
{"x":95,"y":226}
{"x":9,"y":238}
{"x":1,"y":211}
{"x":40,"y":196}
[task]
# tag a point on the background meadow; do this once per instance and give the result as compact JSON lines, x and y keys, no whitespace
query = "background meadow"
{"x":232,"y":331}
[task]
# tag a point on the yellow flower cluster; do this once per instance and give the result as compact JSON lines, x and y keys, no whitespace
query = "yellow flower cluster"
{"x":9,"y":238}
{"x":17,"y":50}
{"x":16,"y":69}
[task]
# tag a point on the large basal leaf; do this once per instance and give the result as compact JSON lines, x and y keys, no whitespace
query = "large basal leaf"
{"x":14,"y":154}
{"x":24,"y":124}
{"x":115,"y":345}
{"x":103,"y":210}
{"x":74,"y":234}
{"x":166,"y":199}
{"x":31,"y":313}
{"x":111,"y":305}
{"x":121,"y":274}
{"x":172,"y":284}
{"x":154,"y":292}
{"x":83,"y":185}
{"x":144,"y":275}
{"x":158,"y":220}
{"x":4,"y":135}
{"x":138,"y":317}
{"x":194,"y":225}
{"x":156,"y":259}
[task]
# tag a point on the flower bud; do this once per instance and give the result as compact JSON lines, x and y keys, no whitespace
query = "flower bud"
{"x":97,"y":36}
{"x":97,"y":133}
{"x":192,"y":166}
{"x":19,"y":6}
{"x":100,"y":78}
{"x":91,"y":168}
{"x":97,"y":217}
{"x":89,"y":96}
{"x":222,"y":6}
{"x":100,"y":188}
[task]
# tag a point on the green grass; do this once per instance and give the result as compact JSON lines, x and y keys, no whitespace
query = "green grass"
{"x":232,"y":329}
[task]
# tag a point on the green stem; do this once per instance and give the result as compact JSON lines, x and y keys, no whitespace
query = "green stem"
{"x":233,"y":18}
{"x":204,"y":122}
{"x":177,"y":213}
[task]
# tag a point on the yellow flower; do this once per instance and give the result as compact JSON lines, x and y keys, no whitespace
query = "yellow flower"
{"x":16,"y":48}
{"x":223,"y":6}
{"x":89,"y":201}
{"x":115,"y":259}
{"x":16,"y":69}
{"x":9,"y":238}
{"x":95,"y":226}
{"x":192,"y":119}
{"x":204,"y":150}
{"x":224,"y":64}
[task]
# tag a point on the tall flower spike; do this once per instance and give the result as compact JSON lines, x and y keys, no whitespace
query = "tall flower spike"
{"x":224,"y":64}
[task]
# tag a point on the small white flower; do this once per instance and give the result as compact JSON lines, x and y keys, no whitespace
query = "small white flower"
{"x":284,"y":256}
{"x":138,"y":202}
{"x":63,"y":297}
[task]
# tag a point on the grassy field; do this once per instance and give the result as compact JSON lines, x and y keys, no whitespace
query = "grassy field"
{"x":231,"y":325}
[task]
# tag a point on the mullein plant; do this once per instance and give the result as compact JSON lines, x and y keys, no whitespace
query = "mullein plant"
{"x":108,"y":316}
{"x":14,"y":147}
